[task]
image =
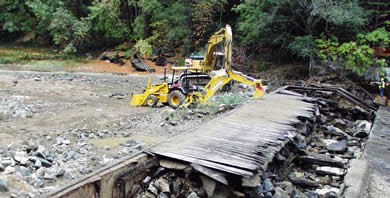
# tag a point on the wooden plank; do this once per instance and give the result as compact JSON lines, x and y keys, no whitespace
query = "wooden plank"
{"x":235,"y":171}
{"x":210,"y":173}
{"x":244,"y":141}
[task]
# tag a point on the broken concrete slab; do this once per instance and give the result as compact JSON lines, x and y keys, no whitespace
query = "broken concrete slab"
{"x":361,"y":128}
{"x":280,"y":193}
{"x":252,"y":182}
{"x":21,"y":157}
{"x":332,"y":130}
{"x":338,"y":147}
{"x":208,"y":185}
{"x":171,"y":164}
{"x":326,"y":170}
{"x":326,"y":190}
{"x":153,"y":189}
{"x":4,"y":184}
{"x":162,"y":185}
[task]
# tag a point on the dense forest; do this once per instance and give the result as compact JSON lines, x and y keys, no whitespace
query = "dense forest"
{"x":298,"y":29}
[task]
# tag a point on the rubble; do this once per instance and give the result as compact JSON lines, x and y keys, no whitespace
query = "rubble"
{"x":3,"y":185}
{"x":319,"y":169}
{"x":338,"y":147}
{"x":333,"y":171}
{"x":323,"y":146}
{"x":361,"y":128}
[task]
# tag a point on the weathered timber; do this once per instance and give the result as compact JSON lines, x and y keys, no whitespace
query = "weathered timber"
{"x":339,"y":91}
{"x":303,"y":182}
{"x":217,"y":176}
{"x":321,"y":160}
{"x":246,"y":140}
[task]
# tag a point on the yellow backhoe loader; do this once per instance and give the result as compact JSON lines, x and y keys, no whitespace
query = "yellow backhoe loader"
{"x":188,"y":90}
{"x":176,"y":94}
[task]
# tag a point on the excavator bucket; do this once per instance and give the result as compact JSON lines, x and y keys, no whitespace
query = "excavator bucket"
{"x":259,"y":91}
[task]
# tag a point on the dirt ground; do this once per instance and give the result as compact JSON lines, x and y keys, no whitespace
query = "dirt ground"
{"x":61,"y":124}
{"x":76,"y":123}
{"x":99,"y":66}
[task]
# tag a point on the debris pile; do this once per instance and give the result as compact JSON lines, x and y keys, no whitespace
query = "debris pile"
{"x":41,"y":168}
{"x":15,"y":107}
{"x":323,"y":150}
{"x":175,"y":179}
{"x":113,"y":57}
{"x":312,"y":164}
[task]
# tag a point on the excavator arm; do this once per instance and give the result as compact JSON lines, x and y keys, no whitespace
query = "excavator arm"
{"x":209,"y":62}
{"x":221,"y":78}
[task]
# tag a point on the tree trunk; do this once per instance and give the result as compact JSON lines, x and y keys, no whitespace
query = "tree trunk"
{"x":311,"y":63}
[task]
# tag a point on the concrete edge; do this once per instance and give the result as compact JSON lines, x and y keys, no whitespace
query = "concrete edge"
{"x":356,"y":179}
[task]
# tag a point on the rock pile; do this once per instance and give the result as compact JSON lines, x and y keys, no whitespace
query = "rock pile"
{"x":322,"y":154}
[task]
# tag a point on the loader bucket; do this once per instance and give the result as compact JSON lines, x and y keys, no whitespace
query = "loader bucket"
{"x":138,"y":100}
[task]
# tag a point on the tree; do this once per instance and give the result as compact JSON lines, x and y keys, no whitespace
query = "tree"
{"x":15,"y":16}
{"x":105,"y":15}
{"x":279,"y":22}
{"x":357,"y":55}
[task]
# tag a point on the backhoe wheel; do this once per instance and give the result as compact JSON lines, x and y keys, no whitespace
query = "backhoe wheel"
{"x":176,"y":99}
{"x":151,"y":101}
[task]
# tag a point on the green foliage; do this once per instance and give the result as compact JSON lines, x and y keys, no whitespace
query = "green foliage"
{"x":279,"y":22}
{"x":138,"y":28}
{"x":327,"y":48}
{"x":143,"y":48}
{"x":303,"y":46}
{"x":129,"y":53}
{"x":358,"y":58}
{"x":60,"y":25}
{"x":167,"y":23}
{"x":253,"y":20}
{"x":44,"y":13}
{"x":203,"y":18}
{"x":179,"y":32}
{"x":379,"y":37}
{"x":105,"y":17}
{"x":344,"y":13}
{"x":160,"y":31}
{"x":150,"y":6}
{"x":357,"y":55}
{"x":185,"y":25}
{"x":9,"y":55}
{"x":14,"y":16}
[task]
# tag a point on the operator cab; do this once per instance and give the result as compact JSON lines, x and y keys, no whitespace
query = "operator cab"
{"x":188,"y":62}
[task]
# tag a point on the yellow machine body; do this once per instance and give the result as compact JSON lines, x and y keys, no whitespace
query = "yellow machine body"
{"x":220,"y":79}
{"x":219,"y":70}
{"x":209,"y":63}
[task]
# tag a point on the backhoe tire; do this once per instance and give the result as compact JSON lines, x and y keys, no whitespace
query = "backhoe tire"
{"x":151,"y":101}
{"x":176,"y":99}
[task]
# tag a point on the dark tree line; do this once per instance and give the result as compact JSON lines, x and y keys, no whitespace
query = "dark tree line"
{"x":185,"y":25}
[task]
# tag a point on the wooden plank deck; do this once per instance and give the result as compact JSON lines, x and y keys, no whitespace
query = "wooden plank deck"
{"x":244,"y":141}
